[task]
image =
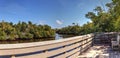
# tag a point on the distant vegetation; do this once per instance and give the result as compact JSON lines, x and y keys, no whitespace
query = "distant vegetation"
{"x":75,"y":29}
{"x":102,"y":21}
{"x":23,"y":30}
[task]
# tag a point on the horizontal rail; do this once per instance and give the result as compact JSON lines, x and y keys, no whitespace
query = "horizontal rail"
{"x":69,"y":47}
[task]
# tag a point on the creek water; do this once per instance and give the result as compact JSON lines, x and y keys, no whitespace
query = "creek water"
{"x":57,"y":37}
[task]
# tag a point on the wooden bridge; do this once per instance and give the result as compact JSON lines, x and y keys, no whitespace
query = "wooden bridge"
{"x":63,"y":48}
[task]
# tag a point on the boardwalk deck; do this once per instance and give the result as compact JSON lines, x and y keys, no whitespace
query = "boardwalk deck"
{"x":100,"y":51}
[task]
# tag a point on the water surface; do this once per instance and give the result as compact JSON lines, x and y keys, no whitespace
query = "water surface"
{"x":57,"y":37}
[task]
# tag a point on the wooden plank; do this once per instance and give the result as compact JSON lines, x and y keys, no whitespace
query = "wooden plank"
{"x":75,"y":55}
{"x":35,"y":49}
{"x":69,"y":53}
{"x":54,"y":52}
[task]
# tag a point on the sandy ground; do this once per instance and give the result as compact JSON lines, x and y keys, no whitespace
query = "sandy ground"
{"x":100,"y":51}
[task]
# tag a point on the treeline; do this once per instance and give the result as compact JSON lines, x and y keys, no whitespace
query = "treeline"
{"x":75,"y":29}
{"x":23,"y":30}
{"x":70,"y":30}
{"x":102,"y":20}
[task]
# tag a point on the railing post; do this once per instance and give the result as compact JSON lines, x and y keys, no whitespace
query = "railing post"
{"x":12,"y":56}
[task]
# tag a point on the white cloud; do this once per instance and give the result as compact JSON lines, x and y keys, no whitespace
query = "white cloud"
{"x":90,"y":21}
{"x":59,"y":22}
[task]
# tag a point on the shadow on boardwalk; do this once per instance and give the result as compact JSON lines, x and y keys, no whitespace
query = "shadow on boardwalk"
{"x":100,"y":51}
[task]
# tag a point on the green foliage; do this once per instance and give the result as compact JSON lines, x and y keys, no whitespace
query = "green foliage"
{"x":23,"y":30}
{"x":74,"y":30}
{"x":102,"y":21}
{"x":117,"y":24}
{"x":2,"y":35}
{"x":106,"y":21}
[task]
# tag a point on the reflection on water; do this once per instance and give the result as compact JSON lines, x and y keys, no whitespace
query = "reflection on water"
{"x":57,"y":37}
{"x":61,"y":36}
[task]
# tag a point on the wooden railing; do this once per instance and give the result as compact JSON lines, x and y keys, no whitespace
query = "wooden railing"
{"x":63,"y":48}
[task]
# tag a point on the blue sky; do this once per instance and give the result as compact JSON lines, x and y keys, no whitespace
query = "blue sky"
{"x":56,"y":13}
